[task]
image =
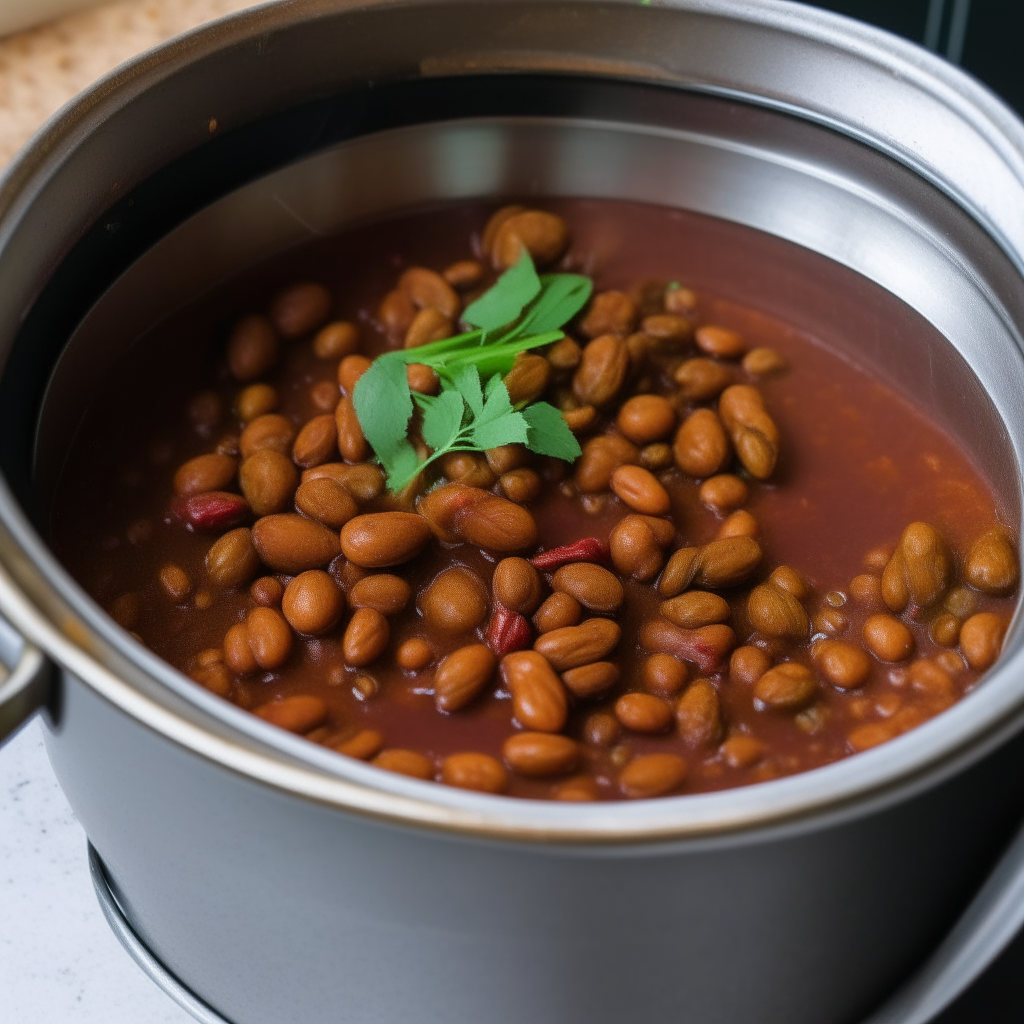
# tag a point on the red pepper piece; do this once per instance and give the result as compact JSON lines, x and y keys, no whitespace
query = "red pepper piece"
{"x":508,"y":631}
{"x":589,"y":549}
{"x":211,"y":510}
{"x":706,"y":647}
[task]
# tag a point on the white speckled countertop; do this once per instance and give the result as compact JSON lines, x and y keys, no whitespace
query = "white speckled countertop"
{"x":59,"y":962}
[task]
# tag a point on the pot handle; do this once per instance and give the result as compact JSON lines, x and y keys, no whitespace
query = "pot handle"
{"x":27,"y":687}
{"x":985,"y":928}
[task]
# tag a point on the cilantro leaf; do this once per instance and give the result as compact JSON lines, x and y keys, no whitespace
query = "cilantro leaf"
{"x":442,"y":420}
{"x":402,"y":465}
{"x":496,"y":401}
{"x":467,"y":380}
{"x":509,"y":428}
{"x":562,"y":296}
{"x":549,"y":434}
{"x":503,"y":302}
{"x":383,"y":406}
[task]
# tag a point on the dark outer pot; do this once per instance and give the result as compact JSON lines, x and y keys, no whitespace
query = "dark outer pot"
{"x":278,"y":881}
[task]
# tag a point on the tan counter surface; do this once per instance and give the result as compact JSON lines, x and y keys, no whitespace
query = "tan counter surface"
{"x":41,"y":69}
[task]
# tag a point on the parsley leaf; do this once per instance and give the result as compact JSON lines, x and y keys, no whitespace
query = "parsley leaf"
{"x":473,"y":411}
{"x":501,"y":304}
{"x":548,"y":433}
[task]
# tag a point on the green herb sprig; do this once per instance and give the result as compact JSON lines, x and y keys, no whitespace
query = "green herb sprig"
{"x":473,"y":411}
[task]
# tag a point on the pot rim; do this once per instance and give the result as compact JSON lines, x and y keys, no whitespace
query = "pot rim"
{"x":88,"y":645}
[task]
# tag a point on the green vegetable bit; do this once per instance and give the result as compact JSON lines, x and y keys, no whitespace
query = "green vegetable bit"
{"x":473,"y":412}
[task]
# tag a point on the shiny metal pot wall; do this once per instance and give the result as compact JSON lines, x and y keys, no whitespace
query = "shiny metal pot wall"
{"x":278,"y":881}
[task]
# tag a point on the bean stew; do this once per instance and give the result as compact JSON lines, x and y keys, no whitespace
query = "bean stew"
{"x":764,"y":558}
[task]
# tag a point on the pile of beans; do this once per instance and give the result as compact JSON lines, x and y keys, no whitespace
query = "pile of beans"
{"x":513,"y":624}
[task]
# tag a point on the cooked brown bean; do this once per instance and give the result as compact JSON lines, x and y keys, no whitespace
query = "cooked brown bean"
{"x":469,"y":468}
{"x":741,"y":751}
{"x":643,"y":712}
{"x":663,"y":675}
{"x":701,"y":448}
{"x":700,"y":379}
{"x":384,"y":593}
{"x":706,"y":646}
{"x":252,"y":348}
{"x":350,"y":369}
{"x":752,"y":431}
{"x":429,"y":290}
{"x":723,"y":493}
{"x":592,"y":585}
{"x":422,"y":378}
{"x":364,"y":482}
{"x":326,"y":501}
{"x":640,"y":490}
{"x":652,"y":775}
{"x":517,"y":585}
{"x":544,"y":236}
{"x":270,"y":431}
{"x":396,"y":312}
{"x":695,"y":609}
{"x":300,"y":309}
{"x":414,"y":654}
{"x":495,"y":222}
{"x":776,"y":613}
{"x":238,"y":654}
{"x":572,"y":646}
{"x":507,"y":457}
{"x":656,"y":457}
{"x":677,"y":299}
{"x":759,"y":362}
{"x":610,"y":312}
{"x":591,"y":680}
{"x":787,"y":687}
{"x":720,"y":342}
{"x":463,"y":273}
{"x":175,"y":582}
{"x":300,"y":713}
{"x":205,"y":473}
{"x":317,"y":441}
{"x":348,"y":433}
{"x":866,"y":589}
{"x":336,"y":340}
{"x":601,"y":457}
{"x":830,"y":620}
{"x":699,"y":714}
{"x":718,"y":564}
{"x":842,"y":664}
{"x":602,"y":370}
{"x":520,"y":485}
{"x":270,"y":639}
{"x":457,"y":513}
{"x":289,"y":543}
{"x":312,"y":602}
{"x":365,"y":744}
{"x":455,"y":602}
{"x":254,"y":401}
{"x":541,"y":755}
{"x":992,"y":565}
{"x":557,"y":612}
{"x":740,"y":524}
{"x":931,"y":680}
{"x":945,"y":630}
{"x":565,"y":354}
{"x":377,"y":540}
{"x":462,"y":676}
{"x":267,"y":591}
{"x":637,"y":546}
{"x":528,"y":378}
{"x":601,"y":729}
{"x":268,"y":480}
{"x":474,"y":771}
{"x":646,"y":418}
{"x":366,"y":637}
{"x":747,"y":665}
{"x":232,"y":560}
{"x":216,"y":678}
{"x":427,"y":326}
{"x":668,"y":328}
{"x":405,"y":762}
{"x":538,"y":696}
{"x":887,"y":638}
{"x":981,"y":639}
{"x":920,"y":570}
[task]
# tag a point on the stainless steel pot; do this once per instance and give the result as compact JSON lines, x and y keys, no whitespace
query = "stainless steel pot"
{"x":273,"y":880}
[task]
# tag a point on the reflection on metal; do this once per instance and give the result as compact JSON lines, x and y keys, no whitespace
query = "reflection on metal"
{"x":956,"y":28}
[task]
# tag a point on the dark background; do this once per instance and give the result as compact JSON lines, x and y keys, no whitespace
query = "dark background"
{"x":986,"y":38}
